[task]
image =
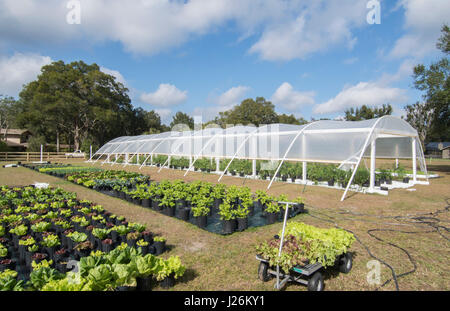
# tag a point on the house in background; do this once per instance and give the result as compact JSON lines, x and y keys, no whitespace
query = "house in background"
{"x":16,"y":139}
{"x":438,"y":149}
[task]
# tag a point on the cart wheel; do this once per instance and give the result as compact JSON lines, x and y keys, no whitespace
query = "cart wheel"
{"x":315,"y":283}
{"x":262,"y":271}
{"x":345,"y":263}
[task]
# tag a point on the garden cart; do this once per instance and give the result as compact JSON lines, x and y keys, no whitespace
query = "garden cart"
{"x":310,"y":275}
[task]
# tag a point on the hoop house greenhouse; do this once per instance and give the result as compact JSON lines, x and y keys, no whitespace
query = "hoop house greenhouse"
{"x":344,"y":143}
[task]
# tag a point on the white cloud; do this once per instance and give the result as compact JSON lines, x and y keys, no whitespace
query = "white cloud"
{"x":364,"y":93}
{"x":232,"y":97}
{"x":115,"y":74}
{"x":225,"y":101}
{"x":19,"y":69}
{"x":423,"y":21}
{"x":283,"y":29}
{"x":316,"y":26}
{"x":166,"y":95}
{"x":286,"y":97}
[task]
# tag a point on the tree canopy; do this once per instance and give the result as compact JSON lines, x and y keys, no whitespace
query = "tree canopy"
{"x":182,"y":120}
{"x":77,"y":101}
{"x":434,"y":81}
{"x":366,"y":113}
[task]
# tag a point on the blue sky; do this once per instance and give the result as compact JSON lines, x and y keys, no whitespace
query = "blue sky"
{"x":310,"y":58}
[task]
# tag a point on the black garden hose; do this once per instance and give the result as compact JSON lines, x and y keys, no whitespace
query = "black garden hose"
{"x":428,"y":219}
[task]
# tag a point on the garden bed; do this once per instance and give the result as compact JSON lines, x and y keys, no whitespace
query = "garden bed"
{"x":48,"y":228}
{"x":214,"y":208}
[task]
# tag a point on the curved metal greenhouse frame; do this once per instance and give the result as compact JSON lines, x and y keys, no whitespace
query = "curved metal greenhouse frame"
{"x":340,"y":142}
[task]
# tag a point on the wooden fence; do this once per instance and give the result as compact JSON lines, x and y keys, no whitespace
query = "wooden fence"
{"x":31,"y":156}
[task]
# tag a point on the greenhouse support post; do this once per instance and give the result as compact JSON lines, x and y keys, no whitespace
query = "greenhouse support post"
{"x":151,"y":154}
{"x":90,"y":151}
{"x":199,"y":154}
{"x":254,"y":168}
{"x":235,"y":154}
{"x":360,"y":156}
{"x":42,"y":149}
{"x":414,"y":160}
{"x":217,"y":164}
{"x":304,"y":170}
{"x":372,"y":164}
{"x":287,"y":151}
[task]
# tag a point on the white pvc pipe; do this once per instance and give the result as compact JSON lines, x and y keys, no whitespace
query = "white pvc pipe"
{"x":372,"y":164}
{"x":414,"y":160}
{"x":304,"y":171}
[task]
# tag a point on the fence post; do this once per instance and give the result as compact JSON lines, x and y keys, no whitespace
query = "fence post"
{"x":28,"y":157}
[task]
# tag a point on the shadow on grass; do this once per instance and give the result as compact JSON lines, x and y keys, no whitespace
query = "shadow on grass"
{"x":189,"y":275}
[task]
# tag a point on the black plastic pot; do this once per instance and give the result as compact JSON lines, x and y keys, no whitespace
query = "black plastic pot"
{"x":241,"y":174}
{"x":11,"y":264}
{"x":284,"y":178}
{"x":61,"y":267}
{"x":131,"y":243}
{"x":389,"y":181}
{"x":168,"y":282}
{"x":144,"y":284}
{"x":201,"y":221}
{"x":155,"y":204}
{"x":145,"y":203}
{"x":406,"y":180}
{"x":50,"y":251}
{"x":299,"y":208}
{"x":106,"y":248}
{"x":180,"y":203}
{"x":272,"y":218}
{"x":170,"y":211}
{"x":144,"y":249}
{"x":229,"y":226}
{"x":242,"y":224}
{"x":377,"y":183}
{"x":160,"y":247}
{"x":123,"y":195}
{"x":183,"y":213}
{"x":217,"y":203}
{"x":331,"y":183}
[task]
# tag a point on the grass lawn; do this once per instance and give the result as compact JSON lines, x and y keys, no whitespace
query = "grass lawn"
{"x":228,"y":263}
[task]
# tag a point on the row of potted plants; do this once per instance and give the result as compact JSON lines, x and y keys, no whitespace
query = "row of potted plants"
{"x":196,"y":200}
{"x":124,"y":268}
{"x":51,"y":224}
{"x":200,"y":200}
